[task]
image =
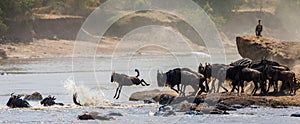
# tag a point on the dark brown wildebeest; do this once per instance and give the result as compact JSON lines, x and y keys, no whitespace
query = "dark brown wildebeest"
{"x":239,"y":74}
{"x":125,"y":80}
{"x":183,"y":77}
{"x":49,"y":101}
{"x":76,"y":102}
{"x":15,"y":101}
{"x":287,"y":77}
{"x":206,"y":72}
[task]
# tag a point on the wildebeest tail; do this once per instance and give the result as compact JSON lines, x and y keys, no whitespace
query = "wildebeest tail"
{"x":75,"y":99}
{"x":138,"y":72}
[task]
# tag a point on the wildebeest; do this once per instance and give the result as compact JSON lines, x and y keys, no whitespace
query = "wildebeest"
{"x":183,"y":77}
{"x":206,"y":72}
{"x":287,"y":77}
{"x":125,"y":80}
{"x":49,"y":101}
{"x":15,"y":101}
{"x":75,"y":99}
{"x":239,"y":74}
{"x":242,"y":62}
{"x":218,"y":72}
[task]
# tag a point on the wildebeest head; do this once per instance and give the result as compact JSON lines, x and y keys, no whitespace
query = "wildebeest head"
{"x":112,"y":77}
{"x":161,"y":78}
{"x":201,"y":69}
{"x":11,"y":100}
{"x":48,"y":101}
{"x":208,"y":70}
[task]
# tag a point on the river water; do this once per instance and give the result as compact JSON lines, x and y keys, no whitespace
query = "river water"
{"x":90,"y":77}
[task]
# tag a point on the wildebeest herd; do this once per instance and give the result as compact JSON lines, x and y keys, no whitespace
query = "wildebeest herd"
{"x":264,"y":75}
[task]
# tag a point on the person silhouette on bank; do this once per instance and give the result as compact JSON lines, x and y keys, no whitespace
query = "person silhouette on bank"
{"x":258,"y":29}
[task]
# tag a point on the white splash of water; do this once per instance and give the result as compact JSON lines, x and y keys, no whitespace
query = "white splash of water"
{"x":86,"y":96}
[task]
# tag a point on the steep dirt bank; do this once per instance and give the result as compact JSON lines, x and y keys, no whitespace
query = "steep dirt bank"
{"x":44,"y":27}
{"x":285,"y":52}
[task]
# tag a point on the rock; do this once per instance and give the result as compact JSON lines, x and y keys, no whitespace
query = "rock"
{"x":199,"y":99}
{"x":297,"y":114}
{"x":93,"y":116}
{"x":151,"y":94}
{"x":254,"y":106}
{"x":183,"y":107}
{"x":114,"y":114}
{"x":166,"y":99}
{"x":256,"y":48}
{"x":192,"y":112}
{"x":237,"y":106}
{"x":34,"y":96}
{"x":225,"y":107}
{"x":149,"y":101}
{"x":165,"y":111}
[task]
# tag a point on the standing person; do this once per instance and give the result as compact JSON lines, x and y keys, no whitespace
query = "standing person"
{"x":258,"y":29}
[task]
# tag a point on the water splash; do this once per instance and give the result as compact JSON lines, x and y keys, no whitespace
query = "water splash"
{"x":86,"y":96}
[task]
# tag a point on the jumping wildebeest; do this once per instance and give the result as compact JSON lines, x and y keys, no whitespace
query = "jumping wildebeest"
{"x":15,"y":101}
{"x":239,"y":74}
{"x":184,"y":77}
{"x":49,"y":101}
{"x":287,"y":77}
{"x":125,"y":80}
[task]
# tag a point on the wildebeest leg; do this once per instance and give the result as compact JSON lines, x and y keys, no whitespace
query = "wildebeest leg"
{"x":269,"y":85}
{"x":206,"y":85}
{"x":221,"y":85}
{"x":242,"y":86}
{"x":255,"y":88}
{"x":175,"y":89}
{"x":213,"y":87}
{"x":178,"y":88}
{"x":201,"y":89}
{"x":119,"y":92}
{"x":143,"y":81}
{"x":233,"y":85}
{"x":275,"y":83}
{"x":182,"y":92}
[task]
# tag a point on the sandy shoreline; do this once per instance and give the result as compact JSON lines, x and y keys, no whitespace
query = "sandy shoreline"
{"x":39,"y":48}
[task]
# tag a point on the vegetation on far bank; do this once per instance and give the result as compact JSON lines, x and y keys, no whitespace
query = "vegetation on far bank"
{"x":219,"y":11}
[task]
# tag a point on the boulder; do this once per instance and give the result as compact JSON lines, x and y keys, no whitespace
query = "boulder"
{"x":297,"y":114}
{"x":34,"y":96}
{"x":94,"y":116}
{"x":256,"y":48}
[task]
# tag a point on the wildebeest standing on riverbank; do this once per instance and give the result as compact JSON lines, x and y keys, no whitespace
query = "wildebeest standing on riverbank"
{"x":287,"y":77}
{"x":239,"y":74}
{"x":183,"y":77}
{"x":125,"y":80}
